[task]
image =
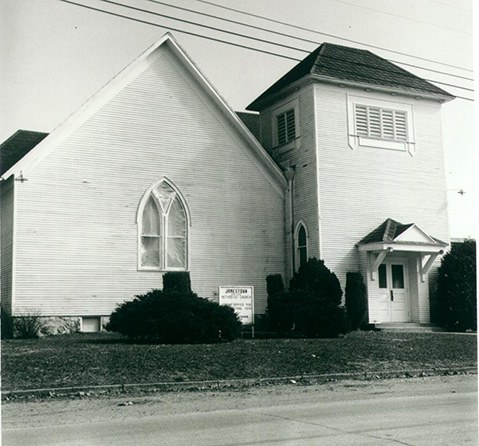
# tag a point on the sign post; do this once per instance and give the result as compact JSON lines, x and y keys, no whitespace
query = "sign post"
{"x":241,"y":299}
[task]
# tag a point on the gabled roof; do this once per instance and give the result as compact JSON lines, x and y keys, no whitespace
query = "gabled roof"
{"x":17,"y":146}
{"x":393,"y":232}
{"x":120,"y":81}
{"x":337,"y":63}
{"x":385,"y":232}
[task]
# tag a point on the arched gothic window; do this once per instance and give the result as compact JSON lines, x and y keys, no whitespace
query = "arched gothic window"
{"x":163,"y":229}
{"x":301,"y":245}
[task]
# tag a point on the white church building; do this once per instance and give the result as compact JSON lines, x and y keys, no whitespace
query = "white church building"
{"x":341,"y":159}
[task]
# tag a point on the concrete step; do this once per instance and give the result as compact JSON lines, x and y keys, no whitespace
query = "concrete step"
{"x":409,"y":327}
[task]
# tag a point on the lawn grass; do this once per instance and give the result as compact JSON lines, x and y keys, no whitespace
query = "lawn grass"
{"x":102,"y":359}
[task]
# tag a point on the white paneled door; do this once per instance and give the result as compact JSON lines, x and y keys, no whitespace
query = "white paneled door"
{"x":393,"y":288}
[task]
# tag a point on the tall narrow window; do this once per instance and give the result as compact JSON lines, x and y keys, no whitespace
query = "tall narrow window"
{"x":164,"y":230}
{"x":301,"y":246}
{"x":286,"y":127}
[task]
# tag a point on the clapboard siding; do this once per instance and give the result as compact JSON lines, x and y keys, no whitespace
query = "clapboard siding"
{"x":80,"y":256}
{"x":305,"y":179}
{"x":361,"y":188}
{"x":303,"y":158}
{"x":6,"y":227}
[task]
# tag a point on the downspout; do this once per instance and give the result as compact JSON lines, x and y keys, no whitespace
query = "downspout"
{"x":318,"y":188}
{"x":289,"y":173}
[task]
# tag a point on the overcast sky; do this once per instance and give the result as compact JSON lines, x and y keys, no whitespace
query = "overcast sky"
{"x":55,"y":55}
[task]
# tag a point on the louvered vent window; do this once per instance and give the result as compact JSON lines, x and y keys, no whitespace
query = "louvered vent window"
{"x":286,"y":127}
{"x":381,"y":123}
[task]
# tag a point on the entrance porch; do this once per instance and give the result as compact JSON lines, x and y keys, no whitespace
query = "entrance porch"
{"x":397,"y":259}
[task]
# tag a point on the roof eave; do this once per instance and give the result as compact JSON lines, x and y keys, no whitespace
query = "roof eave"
{"x":402,"y":247}
{"x":383,"y":89}
{"x":260,"y":104}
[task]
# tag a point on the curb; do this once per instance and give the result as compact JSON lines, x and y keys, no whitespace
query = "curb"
{"x":192,"y":386}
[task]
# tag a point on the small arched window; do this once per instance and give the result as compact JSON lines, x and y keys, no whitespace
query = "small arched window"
{"x":163,"y":229}
{"x":301,"y":245}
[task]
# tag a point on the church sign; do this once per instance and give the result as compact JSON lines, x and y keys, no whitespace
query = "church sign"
{"x":241,"y":299}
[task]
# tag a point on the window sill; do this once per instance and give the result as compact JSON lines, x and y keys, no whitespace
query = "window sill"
{"x":287,"y":147}
{"x":401,"y":146}
{"x":159,"y":270}
{"x":382,"y":143}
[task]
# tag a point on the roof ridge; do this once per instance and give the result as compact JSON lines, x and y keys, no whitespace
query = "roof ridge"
{"x":386,"y":230}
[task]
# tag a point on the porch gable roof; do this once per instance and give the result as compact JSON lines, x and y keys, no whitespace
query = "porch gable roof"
{"x":392,"y":235}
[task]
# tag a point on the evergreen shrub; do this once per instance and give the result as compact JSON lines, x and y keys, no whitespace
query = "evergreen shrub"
{"x":7,"y":323}
{"x":457,"y":288}
{"x":311,"y":307}
{"x":175,"y":317}
{"x":178,"y":281}
{"x":315,"y":278}
{"x":356,"y":299}
{"x":274,"y":284}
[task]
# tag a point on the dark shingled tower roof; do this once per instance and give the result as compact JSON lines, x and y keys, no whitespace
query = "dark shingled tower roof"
{"x":17,"y":146}
{"x":340,"y":63}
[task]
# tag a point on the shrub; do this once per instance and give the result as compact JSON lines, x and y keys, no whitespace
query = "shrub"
{"x":284,"y":309}
{"x":311,"y":306}
{"x":178,"y":281}
{"x":456,"y":287}
{"x":274,"y":284}
{"x":7,"y":323}
{"x":301,"y":313}
{"x":315,"y":278}
{"x":356,"y":298}
{"x":172,"y":317}
{"x":28,"y":325}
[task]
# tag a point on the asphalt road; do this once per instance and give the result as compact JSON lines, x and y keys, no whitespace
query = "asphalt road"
{"x":420,"y":411}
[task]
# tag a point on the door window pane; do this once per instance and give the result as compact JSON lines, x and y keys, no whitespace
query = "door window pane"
{"x":397,"y":276}
{"x":383,"y":281}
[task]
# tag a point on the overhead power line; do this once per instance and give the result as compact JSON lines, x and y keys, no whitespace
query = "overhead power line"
{"x":191,"y":33}
{"x":329,"y":35}
{"x":452,"y":6}
{"x":214,"y":28}
{"x":433,"y":71}
{"x":248,"y":25}
{"x":400,"y":16}
{"x":147,"y":11}
{"x":146,"y":22}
